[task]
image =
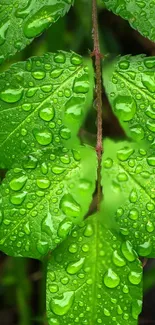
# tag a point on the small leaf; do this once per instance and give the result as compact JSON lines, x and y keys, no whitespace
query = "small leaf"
{"x":130,"y":86}
{"x":24,"y":20}
{"x":140,"y":14}
{"x":94,"y":278}
{"x":42,"y":103}
{"x":43,"y":196}
{"x":128,"y":178}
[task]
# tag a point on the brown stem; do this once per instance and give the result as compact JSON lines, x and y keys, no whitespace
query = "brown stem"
{"x":97,"y":62}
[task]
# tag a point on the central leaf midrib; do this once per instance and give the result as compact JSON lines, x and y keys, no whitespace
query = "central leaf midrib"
{"x":44,"y":101}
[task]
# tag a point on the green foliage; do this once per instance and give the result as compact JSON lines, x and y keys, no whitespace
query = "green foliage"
{"x":130,"y":86}
{"x":92,"y":276}
{"x":22,"y":21}
{"x":129,"y":178}
{"x":140,"y":14}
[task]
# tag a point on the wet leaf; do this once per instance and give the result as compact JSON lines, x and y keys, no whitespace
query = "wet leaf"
{"x":22,"y":21}
{"x":129,"y":193}
{"x":139,"y":13}
{"x":94,"y":278}
{"x":130,"y":86}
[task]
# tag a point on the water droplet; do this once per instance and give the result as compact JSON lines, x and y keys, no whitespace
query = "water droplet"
{"x":124,"y":64}
{"x":75,"y":267}
{"x":128,"y":252}
{"x":118,"y":260}
{"x":60,"y":57}
{"x":133,"y":214}
{"x":42,"y":19}
{"x":76,"y":59}
{"x":47,"y":113}
{"x":58,"y":170}
{"x":42,"y":247}
{"x":150,"y":227}
{"x":137,"y":133}
{"x":135,"y":277}
{"x":30,"y":162}
{"x":81,"y":85}
{"x":11,"y":95}
{"x":69,"y":206}
{"x":17,"y":184}
{"x":149,"y":62}
{"x":145,"y":248}
{"x":73,"y":248}
{"x":47,"y":224}
{"x":43,"y":137}
{"x":125,"y":107}
{"x":73,"y":108}
{"x":148,"y":81}
{"x":64,"y":228}
{"x":65,"y":133}
{"x":53,"y":288}
{"x":122,"y":177}
{"x":43,"y":183}
{"x":61,"y":305}
{"x":111,"y":279}
{"x":44,"y":168}
{"x":124,"y":154}
{"x":108,"y":163}
{"x":3,"y":31}
{"x":38,"y":75}
{"x":18,"y":199}
{"x":88,"y":231}
{"x":150,"y":125}
{"x":56,"y":73}
{"x":151,"y":160}
{"x":133,"y":196}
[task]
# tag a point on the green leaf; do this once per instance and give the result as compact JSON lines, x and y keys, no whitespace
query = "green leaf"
{"x":43,"y":196}
{"x":22,"y":21}
{"x":42,"y":103}
{"x":128,"y":178}
{"x":130,"y":86}
{"x":94,"y":278}
{"x":140,"y":14}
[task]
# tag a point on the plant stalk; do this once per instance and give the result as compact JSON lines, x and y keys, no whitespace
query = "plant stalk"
{"x":98,"y":90}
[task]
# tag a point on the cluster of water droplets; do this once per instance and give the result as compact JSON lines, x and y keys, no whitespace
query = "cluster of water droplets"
{"x":131,"y":175}
{"x":82,"y":275}
{"x":132,"y":96}
{"x":35,"y":101}
{"x":20,"y":23}
{"x":139,"y":13}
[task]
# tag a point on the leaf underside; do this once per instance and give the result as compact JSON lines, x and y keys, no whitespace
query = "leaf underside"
{"x":94,"y":278}
{"x":140,"y":14}
{"x":22,"y":21}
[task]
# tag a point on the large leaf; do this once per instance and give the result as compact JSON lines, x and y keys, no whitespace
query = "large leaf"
{"x":129,"y":193}
{"x":140,"y":14}
{"x":42,"y":103}
{"x":22,"y":21}
{"x":43,"y":196}
{"x":94,"y":278}
{"x":130,"y":86}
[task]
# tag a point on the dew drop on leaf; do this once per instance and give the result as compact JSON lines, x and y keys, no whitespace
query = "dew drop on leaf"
{"x":64,"y":228}
{"x":69,"y":206}
{"x":43,"y":137}
{"x":75,"y":267}
{"x":135,"y":277}
{"x":17,"y":199}
{"x":125,"y":107}
{"x":11,"y":95}
{"x":111,"y":279}
{"x":17,"y":184}
{"x":61,"y":305}
{"x":128,"y":252}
